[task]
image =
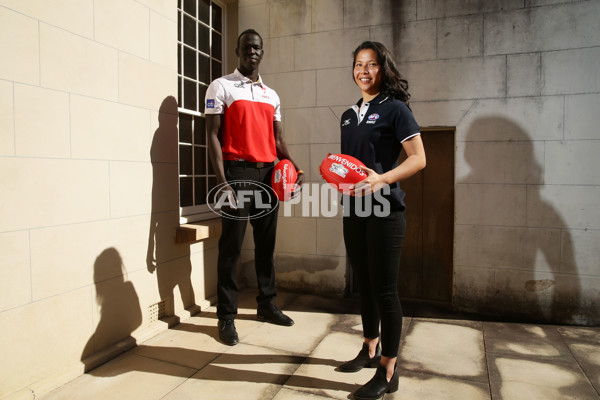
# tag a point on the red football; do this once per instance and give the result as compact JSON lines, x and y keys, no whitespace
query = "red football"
{"x":341,"y":170}
{"x":283,"y":180}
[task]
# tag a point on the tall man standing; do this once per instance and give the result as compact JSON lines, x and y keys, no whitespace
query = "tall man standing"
{"x":243,"y":122}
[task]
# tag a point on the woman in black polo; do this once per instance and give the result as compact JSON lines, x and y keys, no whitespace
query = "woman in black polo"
{"x":375,"y":130}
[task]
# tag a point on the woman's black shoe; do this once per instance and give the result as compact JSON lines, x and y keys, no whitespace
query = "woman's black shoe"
{"x":362,"y":360}
{"x":378,"y":385}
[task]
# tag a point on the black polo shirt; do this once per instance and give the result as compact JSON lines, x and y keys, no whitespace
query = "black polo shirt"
{"x":374,"y":133}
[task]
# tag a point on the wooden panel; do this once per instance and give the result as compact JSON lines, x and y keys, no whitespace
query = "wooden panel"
{"x":196,"y":231}
{"x":438,"y":216}
{"x":411,"y":264}
{"x":426,"y":267}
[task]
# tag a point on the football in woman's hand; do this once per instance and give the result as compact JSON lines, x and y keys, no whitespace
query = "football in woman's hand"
{"x":341,"y":171}
{"x":283,"y":180}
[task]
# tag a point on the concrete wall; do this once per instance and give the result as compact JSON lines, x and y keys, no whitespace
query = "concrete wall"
{"x":306,"y":60}
{"x":519,"y":81}
{"x":523,"y":84}
{"x":88,"y":187}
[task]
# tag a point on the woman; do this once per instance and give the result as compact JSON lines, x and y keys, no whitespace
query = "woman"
{"x":375,"y":130}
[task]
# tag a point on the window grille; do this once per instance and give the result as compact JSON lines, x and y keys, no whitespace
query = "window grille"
{"x":200,"y":60}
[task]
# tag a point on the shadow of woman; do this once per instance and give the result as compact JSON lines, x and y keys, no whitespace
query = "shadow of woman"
{"x":120,"y":312}
{"x":121,"y":315}
{"x":170,"y":261}
{"x":533,"y":284}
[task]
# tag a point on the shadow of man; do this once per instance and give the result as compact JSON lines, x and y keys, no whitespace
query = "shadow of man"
{"x":170,"y":261}
{"x":543,"y":247}
{"x":120,"y":312}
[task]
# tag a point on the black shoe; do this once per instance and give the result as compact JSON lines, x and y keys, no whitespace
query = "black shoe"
{"x":378,"y":385}
{"x":362,"y":360}
{"x":227,"y":332}
{"x":272,"y":314}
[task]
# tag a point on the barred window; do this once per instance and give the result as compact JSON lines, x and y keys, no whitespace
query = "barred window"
{"x":200,"y":60}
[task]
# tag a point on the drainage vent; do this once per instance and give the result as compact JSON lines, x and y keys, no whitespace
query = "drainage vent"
{"x":158,"y":311}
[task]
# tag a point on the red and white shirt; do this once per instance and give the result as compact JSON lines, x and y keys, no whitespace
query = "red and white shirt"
{"x":250,"y":108}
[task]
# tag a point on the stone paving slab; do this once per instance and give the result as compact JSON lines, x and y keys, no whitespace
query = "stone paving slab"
{"x":447,"y":349}
{"x":129,"y":377}
{"x":443,"y":356}
{"x":520,"y":379}
{"x":288,"y":394}
{"x":526,"y":341}
{"x":192,"y":343}
{"x":417,"y":386}
{"x":306,"y":333}
{"x":244,"y":372}
{"x":588,"y":357}
{"x":319,"y":374}
{"x":584,"y":344}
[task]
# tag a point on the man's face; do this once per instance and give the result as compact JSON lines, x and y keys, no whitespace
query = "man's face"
{"x":249,"y":52}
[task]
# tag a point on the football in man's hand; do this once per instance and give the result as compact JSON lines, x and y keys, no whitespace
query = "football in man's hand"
{"x":283,"y":180}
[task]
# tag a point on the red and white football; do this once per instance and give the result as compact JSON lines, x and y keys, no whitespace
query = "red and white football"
{"x":341,"y":171}
{"x":283,"y":180}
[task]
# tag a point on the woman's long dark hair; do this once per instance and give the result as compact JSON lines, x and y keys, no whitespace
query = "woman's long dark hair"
{"x":392,"y":84}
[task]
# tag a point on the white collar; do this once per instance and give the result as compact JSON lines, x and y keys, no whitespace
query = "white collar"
{"x":245,"y":79}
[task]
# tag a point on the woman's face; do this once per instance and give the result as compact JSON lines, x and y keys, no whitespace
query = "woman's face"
{"x":367,"y":71}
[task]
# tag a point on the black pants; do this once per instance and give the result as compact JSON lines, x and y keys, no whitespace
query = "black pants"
{"x":373,"y":245}
{"x":230,"y":244}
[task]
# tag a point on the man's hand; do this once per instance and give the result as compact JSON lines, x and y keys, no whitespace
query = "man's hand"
{"x":300,"y":179}
{"x":231,"y":197}
{"x":298,"y":185}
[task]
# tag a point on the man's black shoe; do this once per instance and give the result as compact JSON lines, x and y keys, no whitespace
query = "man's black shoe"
{"x":227,"y":332}
{"x":272,"y":314}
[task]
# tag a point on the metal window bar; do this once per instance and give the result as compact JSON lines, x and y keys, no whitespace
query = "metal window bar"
{"x":196,"y":84}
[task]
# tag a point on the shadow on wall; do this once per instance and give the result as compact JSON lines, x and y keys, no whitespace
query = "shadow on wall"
{"x":535,"y":275}
{"x":121,"y":315}
{"x":120,"y":312}
{"x":399,"y":41}
{"x":171,"y":262}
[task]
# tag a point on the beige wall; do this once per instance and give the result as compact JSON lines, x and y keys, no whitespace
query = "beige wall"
{"x":88,"y":167}
{"x":306,"y":60}
{"x":88,"y":186}
{"x":519,"y":81}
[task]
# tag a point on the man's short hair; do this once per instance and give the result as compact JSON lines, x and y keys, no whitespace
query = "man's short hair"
{"x":248,"y":32}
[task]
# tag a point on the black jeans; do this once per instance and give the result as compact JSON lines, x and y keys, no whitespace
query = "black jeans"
{"x":374,"y":245}
{"x":230,"y":244}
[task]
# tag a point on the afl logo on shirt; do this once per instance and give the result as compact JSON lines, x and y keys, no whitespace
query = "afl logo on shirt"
{"x":372,"y":118}
{"x":210,"y":103}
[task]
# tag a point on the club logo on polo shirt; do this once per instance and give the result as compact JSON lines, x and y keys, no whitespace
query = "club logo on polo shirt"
{"x":372,"y":118}
{"x":210,"y":103}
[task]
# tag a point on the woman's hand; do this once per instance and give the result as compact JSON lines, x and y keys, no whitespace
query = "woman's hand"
{"x":372,"y":183}
{"x":414,"y":162}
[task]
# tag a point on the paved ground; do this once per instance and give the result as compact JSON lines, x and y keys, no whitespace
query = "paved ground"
{"x":443,"y":356}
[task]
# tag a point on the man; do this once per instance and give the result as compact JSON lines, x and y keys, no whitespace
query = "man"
{"x":243,"y":122}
